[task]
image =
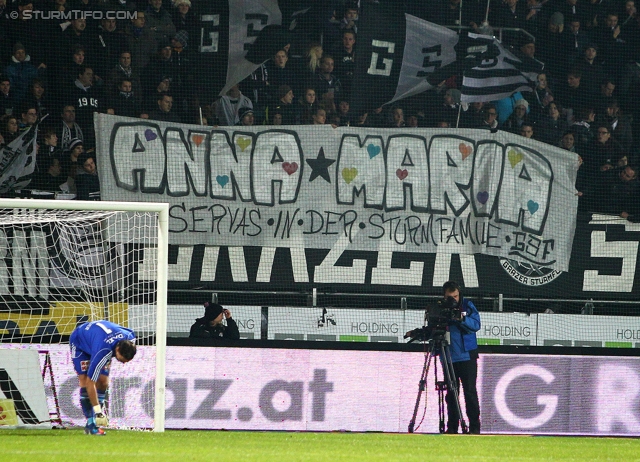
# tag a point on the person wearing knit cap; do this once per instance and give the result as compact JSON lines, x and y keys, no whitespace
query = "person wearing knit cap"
{"x":211,"y":324}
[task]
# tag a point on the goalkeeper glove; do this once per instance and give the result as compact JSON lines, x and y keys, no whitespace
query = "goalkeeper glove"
{"x":100,"y":417}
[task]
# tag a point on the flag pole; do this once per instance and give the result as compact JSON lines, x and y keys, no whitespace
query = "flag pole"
{"x":459,"y":111}
{"x":486,"y":15}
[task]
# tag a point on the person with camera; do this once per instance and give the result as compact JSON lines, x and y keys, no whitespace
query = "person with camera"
{"x":464,"y":356}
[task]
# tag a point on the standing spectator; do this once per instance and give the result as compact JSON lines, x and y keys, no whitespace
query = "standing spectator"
{"x":490,"y":119}
{"x":472,"y":117}
{"x":603,"y":154}
{"x":86,"y":99}
{"x":279,"y":73}
{"x":539,"y":98}
{"x":573,"y":95}
{"x":74,"y":35}
{"x":20,"y":72}
{"x":246,"y":117}
{"x":581,"y":127}
{"x":29,"y":117}
{"x":346,"y":117}
{"x":125,"y":102}
{"x":107,"y":44}
{"x":37,"y":98}
{"x":21,"y":30}
{"x":551,"y":127}
{"x":319,"y":117}
{"x":549,"y":45}
{"x":123,"y":70}
{"x":526,"y":130}
{"x":610,"y":42}
{"x":284,"y":106}
{"x":227,"y":107}
{"x":326,"y":81}
{"x":159,"y":21}
{"x":397,"y":117}
{"x":308,"y":106}
{"x":69,"y":164}
{"x":141,"y":42}
{"x":574,"y":42}
{"x":69,"y":130}
{"x":164,"y":111}
{"x":448,"y":110}
{"x":87,"y":181}
{"x":509,"y":14}
{"x":184,"y":18}
{"x":518,"y":118}
{"x":619,"y":125}
{"x":9,"y":130}
{"x":591,"y":71}
{"x":346,"y":60}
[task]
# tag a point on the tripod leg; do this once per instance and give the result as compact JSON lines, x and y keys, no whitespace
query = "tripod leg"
{"x":451,"y":380}
{"x":421,"y":387}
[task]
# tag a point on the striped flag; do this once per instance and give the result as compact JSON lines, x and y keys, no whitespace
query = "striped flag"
{"x":499,"y":76}
{"x":18,"y":161}
{"x":400,"y":55}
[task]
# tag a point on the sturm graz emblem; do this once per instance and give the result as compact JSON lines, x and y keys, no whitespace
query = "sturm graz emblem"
{"x":529,"y":274}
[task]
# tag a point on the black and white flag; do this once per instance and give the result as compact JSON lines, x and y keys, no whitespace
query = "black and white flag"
{"x":401,"y":55}
{"x":18,"y":161}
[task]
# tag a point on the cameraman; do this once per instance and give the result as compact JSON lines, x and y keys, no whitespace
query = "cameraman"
{"x":464,"y":355}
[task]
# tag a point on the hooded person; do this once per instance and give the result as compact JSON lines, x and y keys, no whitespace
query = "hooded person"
{"x":211,"y":325}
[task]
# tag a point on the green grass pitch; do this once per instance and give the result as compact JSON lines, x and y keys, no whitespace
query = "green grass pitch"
{"x":184,"y":446}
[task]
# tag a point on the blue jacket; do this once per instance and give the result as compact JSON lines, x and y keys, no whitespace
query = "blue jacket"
{"x":463,"y":333}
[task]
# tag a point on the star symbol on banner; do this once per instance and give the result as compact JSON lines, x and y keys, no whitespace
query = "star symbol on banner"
{"x":320,"y":166}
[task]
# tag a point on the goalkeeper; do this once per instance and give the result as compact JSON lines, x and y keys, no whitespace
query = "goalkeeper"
{"x":93,"y":345}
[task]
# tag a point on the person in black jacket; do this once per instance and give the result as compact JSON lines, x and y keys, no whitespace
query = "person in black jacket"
{"x":211,"y":326}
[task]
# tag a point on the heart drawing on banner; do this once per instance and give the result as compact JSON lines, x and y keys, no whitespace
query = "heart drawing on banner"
{"x":222,"y":180}
{"x":150,"y":135}
{"x":290,"y":168}
{"x":243,"y":142}
{"x":533,"y":207}
{"x":402,"y":174}
{"x":515,"y":157}
{"x":465,"y":150}
{"x":349,"y":174}
{"x":198,"y":139}
{"x":483,"y":197}
{"x":373,"y":150}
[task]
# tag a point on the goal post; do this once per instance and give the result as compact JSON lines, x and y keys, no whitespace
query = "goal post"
{"x":63,"y":263}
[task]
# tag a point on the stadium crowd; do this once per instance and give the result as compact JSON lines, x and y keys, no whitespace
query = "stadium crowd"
{"x":586,"y":99}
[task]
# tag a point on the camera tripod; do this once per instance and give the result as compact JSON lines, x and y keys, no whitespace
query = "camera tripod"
{"x":438,"y":345}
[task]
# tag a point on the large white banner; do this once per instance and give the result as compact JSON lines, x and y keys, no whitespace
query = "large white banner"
{"x":407,"y":190}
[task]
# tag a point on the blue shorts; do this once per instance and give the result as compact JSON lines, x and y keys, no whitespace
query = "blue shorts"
{"x":81,"y":361}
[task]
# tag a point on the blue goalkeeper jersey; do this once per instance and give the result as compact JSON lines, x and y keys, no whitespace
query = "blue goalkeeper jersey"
{"x":98,"y":339}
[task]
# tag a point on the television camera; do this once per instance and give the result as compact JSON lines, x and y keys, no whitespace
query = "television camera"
{"x":437,"y":318}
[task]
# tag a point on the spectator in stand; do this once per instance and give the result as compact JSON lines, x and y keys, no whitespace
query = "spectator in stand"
{"x":604,"y":153}
{"x":184,"y":18}
{"x":397,"y":118}
{"x":574,"y":42}
{"x":630,"y":15}
{"x":74,"y":35}
{"x":69,"y":164}
{"x":38,"y":99}
{"x":106,"y":45}
{"x":9,"y":128}
{"x":526,"y":130}
{"x":164,"y":111}
{"x":591,"y":71}
{"x":313,"y":56}
{"x":141,"y":42}
{"x":159,"y":68}
{"x":125,"y":102}
{"x":159,"y":21}
{"x":447,"y":13}
{"x":620,"y":193}
{"x":163,"y":86}
{"x":448,"y":110}
{"x":472,"y":117}
{"x":284,"y":106}
{"x":51,"y":179}
{"x":319,"y":117}
{"x":534,"y":21}
{"x":308,"y":106}
{"x":490,"y":119}
{"x":568,"y":141}
{"x":21,"y":30}
{"x":279,"y":73}
{"x":20,"y":72}
{"x":345,"y":60}
{"x":246,"y":117}
{"x":619,"y":125}
{"x":211,"y":326}
{"x":549,"y":45}
{"x":413,"y":121}
{"x":611,"y":43}
{"x":86,"y":99}
{"x":573,"y":95}
{"x":607,"y":87}
{"x":87,"y":181}
{"x":123,"y":70}
{"x":47,"y":150}
{"x":572,"y":10}
{"x":346,"y":117}
{"x":506,"y":106}
{"x":581,"y":127}
{"x":69,"y":129}
{"x":29,"y":117}
{"x":227,"y":107}
{"x":7,"y":100}
{"x":509,"y":14}
{"x":539,"y":98}
{"x":518,"y":117}
{"x":325,"y":80}
{"x":551,"y":127}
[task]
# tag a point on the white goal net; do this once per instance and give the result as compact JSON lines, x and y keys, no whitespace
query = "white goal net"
{"x":64,"y":263}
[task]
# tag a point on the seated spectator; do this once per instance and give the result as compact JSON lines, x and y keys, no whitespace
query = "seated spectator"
{"x":227,"y":107}
{"x":164,"y":111}
{"x":397,"y":118}
{"x":346,"y":117}
{"x":211,"y":324}
{"x":413,"y":121}
{"x":7,"y":100}
{"x":551,"y":127}
{"x":51,"y":178}
{"x":619,"y":125}
{"x":607,"y":87}
{"x":526,"y":130}
{"x":87,"y":181}
{"x":162,"y":86}
{"x":308,"y":106}
{"x":279,"y":73}
{"x":20,"y":72}
{"x":568,"y":141}
{"x":49,"y":146}
{"x":518,"y":117}
{"x":246,"y":117}
{"x":29,"y":117}
{"x":320,"y":117}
